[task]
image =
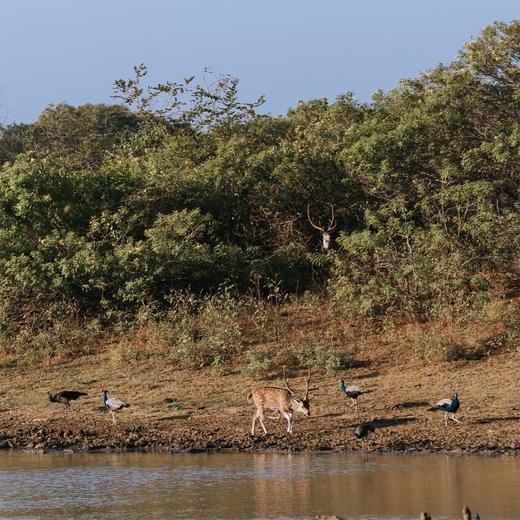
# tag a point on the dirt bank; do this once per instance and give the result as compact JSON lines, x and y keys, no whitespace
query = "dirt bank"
{"x":185,"y":410}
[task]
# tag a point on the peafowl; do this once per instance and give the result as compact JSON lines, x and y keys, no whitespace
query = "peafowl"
{"x":113,"y":404}
{"x":65,"y":396}
{"x":353,"y":392}
{"x":363,"y":430}
{"x":448,"y":406}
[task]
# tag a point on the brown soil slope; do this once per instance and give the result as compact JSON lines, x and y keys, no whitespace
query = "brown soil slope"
{"x":186,"y":410}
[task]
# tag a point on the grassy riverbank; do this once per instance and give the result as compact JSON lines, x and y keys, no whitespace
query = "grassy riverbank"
{"x":179,"y":257}
{"x":207,"y":408}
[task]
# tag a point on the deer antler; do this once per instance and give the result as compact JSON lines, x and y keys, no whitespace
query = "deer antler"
{"x":291,"y":391}
{"x":308,"y":382}
{"x":306,"y":387}
{"x":332,"y":223}
{"x":285,"y":378}
{"x":311,"y":222}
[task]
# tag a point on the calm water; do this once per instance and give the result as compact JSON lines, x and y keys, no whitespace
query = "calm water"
{"x":240,"y":486}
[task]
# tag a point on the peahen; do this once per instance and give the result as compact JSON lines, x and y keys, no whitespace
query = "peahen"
{"x":363,"y":430}
{"x":448,"y":406}
{"x":352,"y":391}
{"x":65,"y":396}
{"x":113,"y":404}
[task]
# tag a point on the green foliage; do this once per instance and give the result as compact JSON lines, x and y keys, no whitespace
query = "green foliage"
{"x":12,"y":141}
{"x":200,"y":333}
{"x":111,"y":209}
{"x":47,"y":331}
{"x":331,"y":361}
{"x":258,"y":362}
{"x":210,"y":103}
{"x":323,"y":357}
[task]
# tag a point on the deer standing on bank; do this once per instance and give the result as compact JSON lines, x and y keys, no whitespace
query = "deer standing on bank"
{"x":284,"y":400}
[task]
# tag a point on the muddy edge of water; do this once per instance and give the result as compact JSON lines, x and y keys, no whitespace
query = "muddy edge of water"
{"x":403,"y":433}
{"x":185,"y":411}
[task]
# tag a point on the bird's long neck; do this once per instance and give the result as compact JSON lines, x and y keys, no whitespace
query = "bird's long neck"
{"x":342,"y":386}
{"x":105,"y":398}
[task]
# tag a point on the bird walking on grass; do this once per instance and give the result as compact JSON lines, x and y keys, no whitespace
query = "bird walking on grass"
{"x":449,"y":406}
{"x":65,"y":396}
{"x":362,"y":432}
{"x":353,"y":392}
{"x":113,"y":404}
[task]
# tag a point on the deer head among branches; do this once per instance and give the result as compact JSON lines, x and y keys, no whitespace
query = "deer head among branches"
{"x":325,"y":232}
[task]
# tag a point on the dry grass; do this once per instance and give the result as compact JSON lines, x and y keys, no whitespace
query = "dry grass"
{"x":406,"y":363}
{"x":258,"y":338}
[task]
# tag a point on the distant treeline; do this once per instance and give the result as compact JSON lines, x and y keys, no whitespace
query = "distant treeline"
{"x":182,"y":187}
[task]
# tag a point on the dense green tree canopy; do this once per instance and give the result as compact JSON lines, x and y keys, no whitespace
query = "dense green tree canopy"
{"x":185,"y":187}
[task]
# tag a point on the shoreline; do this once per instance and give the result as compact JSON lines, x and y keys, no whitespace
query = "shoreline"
{"x":182,"y":411}
{"x":237,"y":451}
{"x":454,"y":439}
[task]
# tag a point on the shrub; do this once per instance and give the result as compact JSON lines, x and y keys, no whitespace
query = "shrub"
{"x":329,"y":359}
{"x":258,"y":362}
{"x":60,"y":340}
{"x":204,"y":333}
{"x":445,"y":342}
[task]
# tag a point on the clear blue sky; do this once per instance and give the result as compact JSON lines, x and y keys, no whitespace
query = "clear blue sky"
{"x":71,"y":51}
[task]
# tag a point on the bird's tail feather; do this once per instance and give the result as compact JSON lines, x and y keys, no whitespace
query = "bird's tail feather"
{"x":433,"y":408}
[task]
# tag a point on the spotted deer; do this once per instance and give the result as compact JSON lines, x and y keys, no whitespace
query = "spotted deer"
{"x":325,"y":233}
{"x":279,"y":399}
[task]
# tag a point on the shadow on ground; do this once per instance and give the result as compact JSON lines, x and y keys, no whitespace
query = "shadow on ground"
{"x":395,"y":421}
{"x":487,"y":420}
{"x":410,"y":404}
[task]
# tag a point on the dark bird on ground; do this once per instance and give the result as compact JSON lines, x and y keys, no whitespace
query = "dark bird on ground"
{"x":448,"y":406}
{"x":353,"y":392}
{"x":65,"y":396}
{"x":113,"y":404}
{"x":362,"y":432}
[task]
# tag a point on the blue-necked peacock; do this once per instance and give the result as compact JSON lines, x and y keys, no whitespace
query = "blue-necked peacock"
{"x":448,"y":406}
{"x":353,"y":392}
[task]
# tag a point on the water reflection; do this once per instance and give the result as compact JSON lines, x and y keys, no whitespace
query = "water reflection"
{"x":235,"y":486}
